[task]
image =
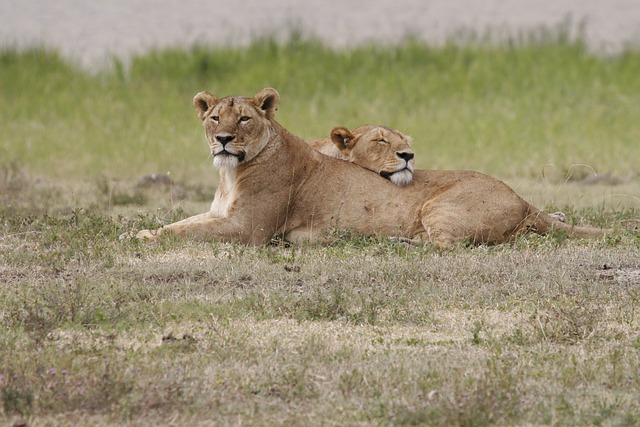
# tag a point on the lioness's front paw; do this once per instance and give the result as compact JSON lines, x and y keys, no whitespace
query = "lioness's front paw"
{"x":127,"y":235}
{"x":148,"y":234}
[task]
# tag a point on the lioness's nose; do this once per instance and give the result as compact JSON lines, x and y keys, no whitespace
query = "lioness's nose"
{"x":406,"y":155}
{"x":225,"y":138}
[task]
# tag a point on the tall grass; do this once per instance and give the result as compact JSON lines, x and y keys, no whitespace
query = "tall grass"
{"x":507,"y":110}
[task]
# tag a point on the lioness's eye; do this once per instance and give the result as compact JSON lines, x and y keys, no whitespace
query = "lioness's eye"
{"x":244,"y":119}
{"x":382,"y":141}
{"x":215,"y":118}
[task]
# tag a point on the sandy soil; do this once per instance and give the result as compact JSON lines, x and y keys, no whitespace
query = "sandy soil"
{"x":90,"y":30}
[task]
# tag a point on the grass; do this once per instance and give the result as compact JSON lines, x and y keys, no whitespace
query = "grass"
{"x":544,"y":331}
{"x":362,"y":331}
{"x":547,"y":104}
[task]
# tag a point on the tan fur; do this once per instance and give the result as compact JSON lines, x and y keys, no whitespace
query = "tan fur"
{"x":461,"y":205}
{"x":326,"y":147}
{"x":276,"y":184}
{"x":384,"y":150}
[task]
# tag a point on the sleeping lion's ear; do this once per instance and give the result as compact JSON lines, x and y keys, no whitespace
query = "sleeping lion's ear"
{"x":343,"y":139}
{"x":267,"y":100}
{"x":202,"y":102}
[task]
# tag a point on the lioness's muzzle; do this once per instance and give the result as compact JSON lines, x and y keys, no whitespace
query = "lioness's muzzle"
{"x":224,"y":152}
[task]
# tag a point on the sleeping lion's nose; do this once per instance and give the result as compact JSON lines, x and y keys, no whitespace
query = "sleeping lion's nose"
{"x":225,"y":138}
{"x":406,"y":155}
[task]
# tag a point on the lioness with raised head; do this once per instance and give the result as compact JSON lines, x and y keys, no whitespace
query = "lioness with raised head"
{"x":388,"y":151}
{"x":389,"y":155}
{"x":277,"y":185}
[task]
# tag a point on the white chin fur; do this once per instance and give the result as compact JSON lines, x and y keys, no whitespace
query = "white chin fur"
{"x":401,"y":178}
{"x":225,"y":161}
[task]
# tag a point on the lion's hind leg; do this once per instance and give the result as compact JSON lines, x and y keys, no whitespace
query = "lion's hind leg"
{"x":438,"y":238}
{"x":448,"y":224}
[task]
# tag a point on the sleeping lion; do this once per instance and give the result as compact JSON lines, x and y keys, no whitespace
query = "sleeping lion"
{"x":381,"y":149}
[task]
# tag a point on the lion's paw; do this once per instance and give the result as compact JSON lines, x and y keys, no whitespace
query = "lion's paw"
{"x":148,"y":234}
{"x":127,"y":235}
{"x":560,"y":216}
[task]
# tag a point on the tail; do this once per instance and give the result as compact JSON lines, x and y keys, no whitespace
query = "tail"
{"x":542,"y":223}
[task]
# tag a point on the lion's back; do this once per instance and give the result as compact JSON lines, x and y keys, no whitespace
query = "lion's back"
{"x":326,"y":147}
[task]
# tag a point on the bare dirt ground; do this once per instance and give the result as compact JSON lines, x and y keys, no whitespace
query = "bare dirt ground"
{"x":91,"y":31}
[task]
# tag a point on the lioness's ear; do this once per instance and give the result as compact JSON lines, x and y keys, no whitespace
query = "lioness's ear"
{"x":268,"y":100}
{"x":202,"y":102}
{"x":343,"y":139}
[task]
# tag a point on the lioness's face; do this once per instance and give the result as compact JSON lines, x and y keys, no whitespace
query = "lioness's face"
{"x":380,"y":149}
{"x":237,"y":128}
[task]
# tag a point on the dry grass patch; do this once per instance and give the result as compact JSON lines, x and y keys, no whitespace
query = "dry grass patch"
{"x":363,"y":331}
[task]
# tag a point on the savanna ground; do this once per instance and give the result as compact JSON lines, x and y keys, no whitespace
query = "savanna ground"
{"x":98,"y":331}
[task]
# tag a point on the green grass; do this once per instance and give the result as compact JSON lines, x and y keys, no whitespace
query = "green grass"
{"x":96,"y":331}
{"x":510,"y":111}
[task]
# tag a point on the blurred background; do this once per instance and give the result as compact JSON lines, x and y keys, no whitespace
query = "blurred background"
{"x":95,"y":97}
{"x":90,"y":31}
